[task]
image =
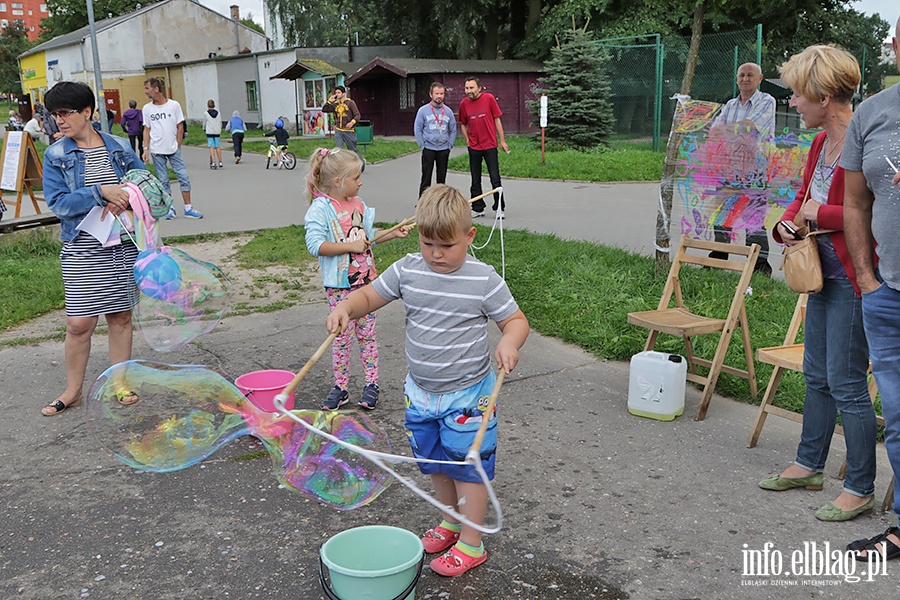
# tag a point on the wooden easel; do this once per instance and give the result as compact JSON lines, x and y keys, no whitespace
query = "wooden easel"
{"x":21,"y":168}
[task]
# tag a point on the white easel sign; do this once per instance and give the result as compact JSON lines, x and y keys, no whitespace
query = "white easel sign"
{"x":11,"y":161}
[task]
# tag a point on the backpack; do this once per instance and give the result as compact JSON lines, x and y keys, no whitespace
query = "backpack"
{"x":159,"y":200}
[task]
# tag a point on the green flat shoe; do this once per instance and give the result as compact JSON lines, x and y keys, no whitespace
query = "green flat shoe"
{"x":777,"y":483}
{"x":830,"y":512}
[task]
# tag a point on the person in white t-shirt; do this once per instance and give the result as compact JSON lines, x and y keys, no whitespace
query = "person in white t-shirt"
{"x":163,"y":131}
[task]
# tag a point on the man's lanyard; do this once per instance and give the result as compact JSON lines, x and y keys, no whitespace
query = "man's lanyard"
{"x":436,"y":117}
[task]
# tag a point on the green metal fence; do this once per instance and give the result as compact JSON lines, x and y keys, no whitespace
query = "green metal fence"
{"x":646,"y":71}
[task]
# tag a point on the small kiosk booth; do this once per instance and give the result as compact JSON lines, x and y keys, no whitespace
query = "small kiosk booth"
{"x":315,"y":81}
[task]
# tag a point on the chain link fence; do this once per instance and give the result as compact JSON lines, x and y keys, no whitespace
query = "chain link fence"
{"x":646,"y":71}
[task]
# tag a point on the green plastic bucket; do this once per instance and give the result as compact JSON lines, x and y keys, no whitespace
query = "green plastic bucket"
{"x":374,"y":562}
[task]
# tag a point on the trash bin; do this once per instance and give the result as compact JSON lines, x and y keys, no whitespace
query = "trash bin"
{"x":364,"y":132}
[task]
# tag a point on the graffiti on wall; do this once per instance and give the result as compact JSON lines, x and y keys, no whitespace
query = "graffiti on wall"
{"x":731,"y":176}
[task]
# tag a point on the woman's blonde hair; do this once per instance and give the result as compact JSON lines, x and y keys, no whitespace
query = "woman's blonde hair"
{"x":820,"y":71}
{"x":442,"y":213}
{"x":325,"y":165}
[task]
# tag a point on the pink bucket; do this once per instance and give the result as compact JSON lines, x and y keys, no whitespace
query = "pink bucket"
{"x":261,"y":387}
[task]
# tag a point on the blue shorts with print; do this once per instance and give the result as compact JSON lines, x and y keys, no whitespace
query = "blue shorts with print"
{"x":443,"y":427}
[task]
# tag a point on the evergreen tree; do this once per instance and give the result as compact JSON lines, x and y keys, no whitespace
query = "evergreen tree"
{"x":579,"y":109}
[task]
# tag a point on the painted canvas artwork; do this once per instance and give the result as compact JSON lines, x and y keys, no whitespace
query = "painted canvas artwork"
{"x":731,"y":176}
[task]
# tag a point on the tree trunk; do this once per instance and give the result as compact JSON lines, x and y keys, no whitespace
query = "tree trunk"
{"x":487,"y":43}
{"x":663,"y":242}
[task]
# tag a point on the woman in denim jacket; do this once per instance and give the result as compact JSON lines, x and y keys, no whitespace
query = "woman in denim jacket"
{"x":82,"y":171}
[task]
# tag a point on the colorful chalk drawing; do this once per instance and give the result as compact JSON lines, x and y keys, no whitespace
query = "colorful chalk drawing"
{"x":728,"y":176}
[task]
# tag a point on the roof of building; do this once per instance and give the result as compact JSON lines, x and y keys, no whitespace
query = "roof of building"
{"x":404,"y":67}
{"x":76,"y":37}
{"x":304,"y":65}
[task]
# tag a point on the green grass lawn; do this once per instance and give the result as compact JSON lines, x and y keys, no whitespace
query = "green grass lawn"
{"x":623,"y":161}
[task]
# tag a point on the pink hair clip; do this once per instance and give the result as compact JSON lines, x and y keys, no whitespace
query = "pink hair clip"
{"x":323,"y":152}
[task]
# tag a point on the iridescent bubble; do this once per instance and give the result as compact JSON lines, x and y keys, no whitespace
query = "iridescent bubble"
{"x":157,"y":274}
{"x":326,"y":471}
{"x":177,"y":421}
{"x":180,"y":298}
{"x":186,"y":412}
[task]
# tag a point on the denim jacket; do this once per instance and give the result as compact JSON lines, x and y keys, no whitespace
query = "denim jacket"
{"x":322,"y":224}
{"x":64,"y":189}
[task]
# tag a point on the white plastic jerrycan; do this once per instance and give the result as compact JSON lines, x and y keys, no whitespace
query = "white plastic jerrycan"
{"x":656,"y":385}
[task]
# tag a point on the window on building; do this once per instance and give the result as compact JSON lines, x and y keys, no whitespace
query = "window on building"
{"x":407,"y":93}
{"x":4,"y":23}
{"x":18,"y":12}
{"x":30,"y":13}
{"x":252,"y":97}
{"x":43,"y":8}
{"x":2,"y":6}
{"x":17,"y":5}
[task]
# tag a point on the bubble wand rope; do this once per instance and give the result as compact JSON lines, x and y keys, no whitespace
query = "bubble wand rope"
{"x":892,"y":164}
{"x":381,"y":459}
{"x":411,"y":221}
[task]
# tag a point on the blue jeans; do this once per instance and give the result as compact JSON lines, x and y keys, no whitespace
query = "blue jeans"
{"x":835,"y":360}
{"x":881,"y":314}
{"x":162,"y":172}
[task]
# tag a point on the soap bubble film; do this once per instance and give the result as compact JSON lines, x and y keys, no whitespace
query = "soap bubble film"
{"x":186,"y":412}
{"x":179,"y":297}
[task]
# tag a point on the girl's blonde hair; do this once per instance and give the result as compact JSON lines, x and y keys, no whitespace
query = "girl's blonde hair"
{"x":442,"y":212}
{"x":822,"y":70}
{"x":325,"y":165}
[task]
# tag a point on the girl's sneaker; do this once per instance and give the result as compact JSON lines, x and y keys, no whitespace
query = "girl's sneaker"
{"x":439,"y":539}
{"x":336,"y":399}
{"x":369,"y":397}
{"x":455,"y":563}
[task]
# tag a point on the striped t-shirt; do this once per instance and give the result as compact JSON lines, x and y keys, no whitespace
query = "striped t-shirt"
{"x":97,"y":168}
{"x":447,"y":346}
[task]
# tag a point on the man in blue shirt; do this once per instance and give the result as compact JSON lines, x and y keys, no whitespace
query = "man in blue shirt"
{"x":435,"y":130}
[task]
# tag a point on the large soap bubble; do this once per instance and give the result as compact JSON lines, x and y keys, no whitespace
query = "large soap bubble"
{"x":326,"y":471}
{"x":180,"y":298}
{"x":186,"y":412}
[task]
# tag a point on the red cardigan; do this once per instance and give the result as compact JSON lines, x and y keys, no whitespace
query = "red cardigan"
{"x":830,"y":215}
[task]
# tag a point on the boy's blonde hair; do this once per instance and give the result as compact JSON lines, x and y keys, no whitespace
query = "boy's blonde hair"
{"x":325,"y":165}
{"x":442,"y":213}
{"x":822,"y":70}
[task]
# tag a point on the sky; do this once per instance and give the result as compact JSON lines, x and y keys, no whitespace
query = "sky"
{"x":888,"y":9}
{"x":249,"y":6}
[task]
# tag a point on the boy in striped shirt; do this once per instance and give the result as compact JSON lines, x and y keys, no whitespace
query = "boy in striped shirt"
{"x":449,"y":298}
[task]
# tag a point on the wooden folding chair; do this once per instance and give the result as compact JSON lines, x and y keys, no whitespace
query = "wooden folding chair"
{"x":790,"y":356}
{"x":680,"y":321}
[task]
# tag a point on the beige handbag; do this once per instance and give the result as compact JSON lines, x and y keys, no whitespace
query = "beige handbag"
{"x":801,"y":263}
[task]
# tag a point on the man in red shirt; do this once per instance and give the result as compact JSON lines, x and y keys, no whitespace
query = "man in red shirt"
{"x":479,"y":119}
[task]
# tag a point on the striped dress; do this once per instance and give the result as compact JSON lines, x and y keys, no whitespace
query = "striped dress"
{"x":98,"y":280}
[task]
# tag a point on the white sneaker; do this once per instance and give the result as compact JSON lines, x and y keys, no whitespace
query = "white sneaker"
{"x":476,"y":214}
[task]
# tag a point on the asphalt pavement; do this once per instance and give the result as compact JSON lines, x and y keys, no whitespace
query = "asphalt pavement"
{"x":597,"y":503}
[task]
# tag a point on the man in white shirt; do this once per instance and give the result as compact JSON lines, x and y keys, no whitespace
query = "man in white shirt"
{"x":35,"y":128}
{"x":163,"y":131}
{"x":750,"y":110}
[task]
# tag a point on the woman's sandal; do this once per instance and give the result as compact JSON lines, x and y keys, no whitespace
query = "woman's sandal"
{"x":126,"y":397}
{"x":891,"y":550}
{"x":59,"y":406}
